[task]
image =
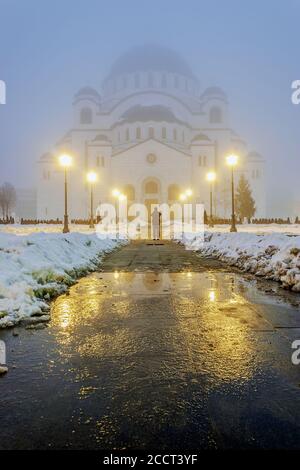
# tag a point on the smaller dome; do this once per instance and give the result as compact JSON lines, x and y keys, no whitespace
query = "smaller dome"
{"x":254,"y":156}
{"x":201,"y":137}
{"x":87,"y":91}
{"x":101,"y":137}
{"x":156,"y":113}
{"x":47,"y":156}
{"x":214,"y":92}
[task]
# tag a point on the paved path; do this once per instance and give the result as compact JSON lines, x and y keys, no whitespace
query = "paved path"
{"x":161,"y":350}
{"x":156,"y":256}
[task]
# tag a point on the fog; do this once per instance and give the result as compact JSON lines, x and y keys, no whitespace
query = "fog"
{"x":49,"y":49}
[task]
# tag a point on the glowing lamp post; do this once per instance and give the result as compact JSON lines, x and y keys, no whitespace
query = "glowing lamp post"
{"x":211,"y":177}
{"x":184,"y":197}
{"x":65,"y":161}
{"x":119,"y":197}
{"x":92,"y":178}
{"x":116,"y":194}
{"x":232,"y":161}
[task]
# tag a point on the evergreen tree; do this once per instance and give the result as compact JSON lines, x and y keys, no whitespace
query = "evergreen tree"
{"x":245,"y":204}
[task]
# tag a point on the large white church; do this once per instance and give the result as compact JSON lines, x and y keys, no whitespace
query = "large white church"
{"x":152,"y":134}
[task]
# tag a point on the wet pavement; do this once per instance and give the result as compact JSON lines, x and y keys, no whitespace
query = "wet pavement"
{"x":161,"y":350}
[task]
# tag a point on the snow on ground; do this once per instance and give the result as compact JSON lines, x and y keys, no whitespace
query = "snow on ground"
{"x":36,"y":267}
{"x":261,"y":228}
{"x":273,"y":256}
{"x":19,"y":229}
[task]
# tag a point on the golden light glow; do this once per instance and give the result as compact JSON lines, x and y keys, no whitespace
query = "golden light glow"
{"x":232,"y":160}
{"x":211,"y":176}
{"x":65,"y":160}
{"x":212,"y":295}
{"x":92,"y":177}
{"x":116,"y":193}
{"x":183,"y":197}
{"x":189,"y":192}
{"x":122,"y":197}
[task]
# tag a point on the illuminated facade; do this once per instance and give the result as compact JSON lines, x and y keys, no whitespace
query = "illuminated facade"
{"x":152,"y":133}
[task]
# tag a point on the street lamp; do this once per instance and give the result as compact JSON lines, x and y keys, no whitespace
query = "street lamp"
{"x":119,"y":197}
{"x":116,"y":193}
{"x":211,"y":177}
{"x":184,"y":197}
{"x":65,"y":161}
{"x":92,"y":178}
{"x":232,"y":161}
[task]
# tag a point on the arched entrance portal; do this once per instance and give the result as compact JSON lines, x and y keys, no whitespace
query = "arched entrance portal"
{"x":151,"y":190}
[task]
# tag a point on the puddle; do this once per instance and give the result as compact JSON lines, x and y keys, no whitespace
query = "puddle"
{"x":158,"y":360}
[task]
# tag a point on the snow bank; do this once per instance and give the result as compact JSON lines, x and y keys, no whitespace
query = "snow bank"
{"x":36,"y":267}
{"x":272,"y":256}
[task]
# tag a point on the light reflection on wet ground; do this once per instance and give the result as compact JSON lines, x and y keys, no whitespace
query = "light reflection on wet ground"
{"x":155,"y":360}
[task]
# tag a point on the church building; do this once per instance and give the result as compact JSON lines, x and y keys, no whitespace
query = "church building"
{"x":153,"y":134}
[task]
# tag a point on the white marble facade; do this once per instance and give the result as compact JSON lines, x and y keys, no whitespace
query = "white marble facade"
{"x":151,"y":133}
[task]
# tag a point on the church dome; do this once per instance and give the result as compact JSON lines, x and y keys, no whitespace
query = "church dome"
{"x":101,"y":137}
{"x":156,"y":113}
{"x":150,"y":58}
{"x":87,"y":91}
{"x":202,"y":137}
{"x":254,"y":156}
{"x":214,"y":92}
{"x":47,"y":156}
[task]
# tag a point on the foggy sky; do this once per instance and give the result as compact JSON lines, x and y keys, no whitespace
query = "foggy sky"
{"x":51,"y":48}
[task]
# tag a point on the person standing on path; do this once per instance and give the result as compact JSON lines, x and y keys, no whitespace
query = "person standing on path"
{"x":155,"y":224}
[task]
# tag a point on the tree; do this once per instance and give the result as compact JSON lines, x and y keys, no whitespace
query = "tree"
{"x":8,"y":199}
{"x":245,"y":204}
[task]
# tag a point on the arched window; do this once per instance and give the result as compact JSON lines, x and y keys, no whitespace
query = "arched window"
{"x":151,"y":132}
{"x":164,"y":133}
{"x":202,"y":161}
{"x":150,"y":80}
{"x":173,"y":192}
{"x":164,"y":81}
{"x":138,"y":132}
{"x":176,"y":81}
{"x":183,"y":137}
{"x":86,"y":116}
{"x":127,"y":135}
{"x":151,"y":187}
{"x":137,"y":80}
{"x":129,"y":192}
{"x":99,"y":161}
{"x":215,"y":115}
{"x":175,"y":134}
